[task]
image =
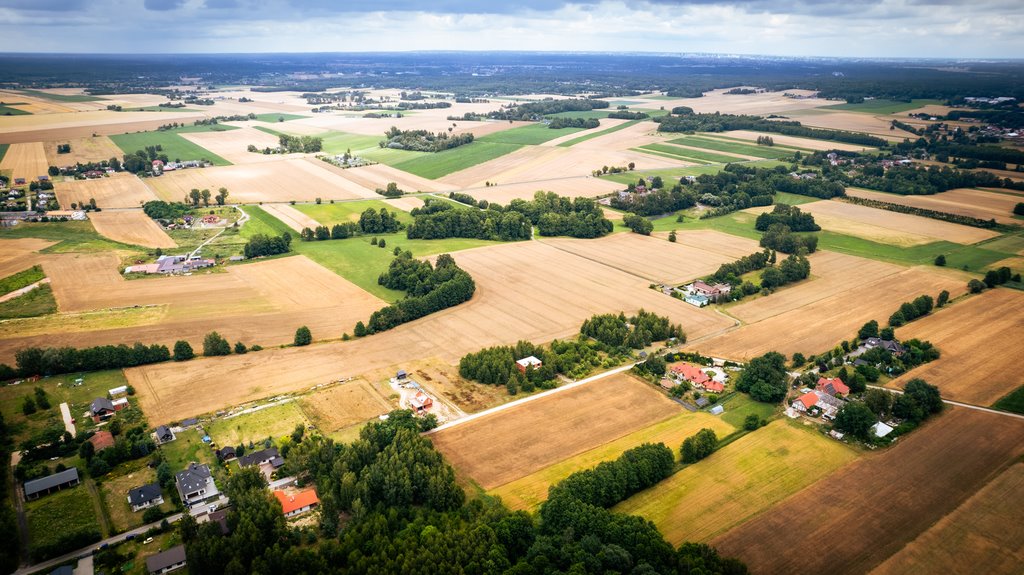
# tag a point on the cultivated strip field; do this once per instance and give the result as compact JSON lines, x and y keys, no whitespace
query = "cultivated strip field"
{"x":742,"y":480}
{"x":120,"y":190}
{"x":20,"y":254}
{"x":793,"y":141}
{"x":25,"y":161}
{"x":874,"y":124}
{"x":963,"y":201}
{"x":530,"y":491}
{"x":979,"y":341}
{"x":893,"y":496}
{"x":983,"y":535}
{"x":892,"y":228}
{"x":510,"y":444}
{"x":84,"y":150}
{"x":291,"y":217}
{"x":579,"y":186}
{"x":64,"y":126}
{"x":756,"y":104}
{"x":132,"y":227}
{"x":232,"y":144}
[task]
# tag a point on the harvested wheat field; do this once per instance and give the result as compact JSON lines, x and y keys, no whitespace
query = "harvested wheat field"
{"x":119,"y":190}
{"x":651,"y":259}
{"x":811,"y":323}
{"x":983,"y":535}
{"x":606,"y":123}
{"x":892,"y":228}
{"x":963,"y":201}
{"x":510,"y":444}
{"x":979,"y":341}
{"x":792,"y":141}
{"x":585,"y":186}
{"x":20,"y":254}
{"x":525,"y":290}
{"x":135,"y":228}
{"x":875,"y":124}
{"x":282,"y":181}
{"x":68,"y":125}
{"x":232,"y":145}
{"x":892,"y":496}
{"x":377,"y":176}
{"x":343,"y":405}
{"x":25,"y":161}
{"x":405,"y":203}
{"x":291,"y":217}
{"x":756,"y":104}
{"x":83,"y":150}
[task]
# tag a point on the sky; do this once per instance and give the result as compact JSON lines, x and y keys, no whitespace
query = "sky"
{"x":969,"y":29}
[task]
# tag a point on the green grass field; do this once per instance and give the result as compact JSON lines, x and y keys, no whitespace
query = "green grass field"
{"x":260,"y":222}
{"x":115,"y":486}
{"x":60,"y":97}
{"x":882,"y":106}
{"x":71,"y":237}
{"x":340,"y":142}
{"x":275,"y":422}
{"x":436,"y":165}
{"x":739,"y":405}
{"x":1014,"y":401}
{"x":793,"y":199}
{"x":739,"y":481}
{"x":21,"y":279}
{"x":176,"y":147}
{"x":7,"y":110}
{"x":719,"y":136}
{"x":688,"y":154}
{"x":186,"y":448}
{"x":766,"y":152}
{"x":3,"y":151}
{"x":54,"y":516}
{"x":574,"y":141}
{"x":673,"y":174}
{"x":32,"y":304}
{"x":278,"y":117}
{"x":344,"y":212}
{"x":527,"y":135}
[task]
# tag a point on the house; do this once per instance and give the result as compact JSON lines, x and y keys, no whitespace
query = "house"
{"x":225,"y":453}
{"x":103,"y":409}
{"x":118,"y":392}
{"x":421,"y":402}
{"x":297,"y":503}
{"x":828,"y":404}
{"x":893,"y":347}
{"x":167,"y":561}
{"x":259,"y":457}
{"x":526,"y":363}
{"x":164,"y":434}
{"x":697,"y":377}
{"x":102,"y":440}
{"x":195,"y":484}
{"x":696,"y":299}
{"x":712,"y":292}
{"x":146,"y":496}
{"x":805,"y":402}
{"x":38,"y":487}
{"x":833,"y":386}
{"x":881,"y":430}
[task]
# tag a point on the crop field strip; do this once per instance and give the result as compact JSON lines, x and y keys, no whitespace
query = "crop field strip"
{"x":83,"y":150}
{"x":766,"y":152}
{"x":172,"y":143}
{"x":690,"y":154}
{"x":120,"y":190}
{"x":891,"y":227}
{"x":131,"y":227}
{"x":982,"y":204}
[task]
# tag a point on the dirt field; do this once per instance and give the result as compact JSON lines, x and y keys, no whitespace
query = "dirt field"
{"x":282,"y":181}
{"x":232,"y":145}
{"x":524,"y":291}
{"x":25,"y":160}
{"x":757,"y":104}
{"x":649,"y":258}
{"x":804,"y":319}
{"x":83,"y":150}
{"x":964,"y":201}
{"x":891,"y":228}
{"x":983,"y":535}
{"x":291,"y":217}
{"x":120,"y":190}
{"x":974,"y":338}
{"x":796,"y":142}
{"x":133,"y":227}
{"x":343,"y":405}
{"x":874,"y":124}
{"x":69,"y":125}
{"x":585,"y":186}
{"x":511,"y":444}
{"x":882,"y":501}
{"x":20,"y":254}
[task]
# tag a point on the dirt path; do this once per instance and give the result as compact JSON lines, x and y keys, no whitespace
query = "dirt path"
{"x":24,"y":290}
{"x":97,"y":503}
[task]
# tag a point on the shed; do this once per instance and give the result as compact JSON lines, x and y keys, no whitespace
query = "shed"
{"x":881,"y":430}
{"x":173,"y":558}
{"x":102,"y":440}
{"x":401,"y":375}
{"x":717,"y":410}
{"x":38,"y":487}
{"x":118,"y":391}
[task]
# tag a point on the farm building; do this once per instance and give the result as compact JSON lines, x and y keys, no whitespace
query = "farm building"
{"x":833,"y":386}
{"x":102,"y":440}
{"x":171,"y":265}
{"x":146,"y":496}
{"x":269,"y":455}
{"x":167,"y":561}
{"x":712,"y":292}
{"x":828,"y":404}
{"x":164,"y":434}
{"x":805,"y":401}
{"x":195,"y":484}
{"x":696,"y":299}
{"x":697,"y":377}
{"x":44,"y":486}
{"x":421,"y":402}
{"x":118,"y":392}
{"x":526,"y":363}
{"x":297,"y":503}
{"x":401,"y":375}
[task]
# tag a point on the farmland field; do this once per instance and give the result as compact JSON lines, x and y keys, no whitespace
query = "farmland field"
{"x":743,"y":479}
{"x":274,"y":422}
{"x":511,"y":444}
{"x":891,"y":227}
{"x":972,"y":336}
{"x":134,"y":228}
{"x":581,"y":186}
{"x":232,"y":145}
{"x":343,"y":405}
{"x":347,"y":212}
{"x":965,"y":201}
{"x":793,"y":141}
{"x":882,"y":106}
{"x":84,"y":150}
{"x":983,"y":534}
{"x":291,"y":217}
{"x":436,"y":165}
{"x":872,"y":492}
{"x":120,"y":190}
{"x":528,"y":492}
{"x":732,"y":147}
{"x":20,"y":254}
{"x":527,"y":135}
{"x":601,"y":132}
{"x":25,"y":161}
{"x":172,"y":143}
{"x":691,"y":154}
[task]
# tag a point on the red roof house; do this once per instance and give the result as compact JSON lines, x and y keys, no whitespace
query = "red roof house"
{"x":691,"y":373}
{"x":102,"y":440}
{"x":833,"y":386}
{"x":296,"y":503}
{"x":806,"y":401}
{"x":714,"y":386}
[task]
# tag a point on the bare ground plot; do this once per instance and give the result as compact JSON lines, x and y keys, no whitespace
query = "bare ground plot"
{"x":134,"y":227}
{"x":525,"y":290}
{"x":881,"y":502}
{"x":63,"y":126}
{"x":585,"y":186}
{"x":379,"y":175}
{"x":983,"y":535}
{"x":513,"y":443}
{"x":83,"y":150}
{"x":756,"y":104}
{"x":646,"y":257}
{"x":291,"y":217}
{"x":793,"y":141}
{"x":120,"y":190}
{"x":822,"y":323}
{"x":891,"y":228}
{"x":344,"y":405}
{"x":874,"y":124}
{"x":980,"y":353}
{"x":281,"y":181}
{"x":963,"y":201}
{"x":20,"y":254}
{"x":232,"y":144}
{"x":25,"y":160}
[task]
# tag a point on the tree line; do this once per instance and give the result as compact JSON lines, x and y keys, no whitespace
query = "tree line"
{"x":531,"y":111}
{"x":584,"y":123}
{"x":716,"y":122}
{"x":924,"y":212}
{"x":636,"y":332}
{"x":780,"y":238}
{"x":263,"y":245}
{"x":440,"y":219}
{"x":371,"y":221}
{"x":916,"y":181}
{"x":657,"y":201}
{"x":300,"y":144}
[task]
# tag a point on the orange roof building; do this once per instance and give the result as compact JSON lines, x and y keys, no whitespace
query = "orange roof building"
{"x":102,"y":440}
{"x":833,"y":386}
{"x":691,"y":373}
{"x":297,"y":503}
{"x":806,"y":401}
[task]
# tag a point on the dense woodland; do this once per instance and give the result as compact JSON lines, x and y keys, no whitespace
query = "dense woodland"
{"x":423,"y":140}
{"x":429,"y":288}
{"x":263,"y":245}
{"x":532,"y":111}
{"x":786,"y":215}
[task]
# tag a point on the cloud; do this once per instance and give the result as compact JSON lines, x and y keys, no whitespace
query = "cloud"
{"x":163,"y":5}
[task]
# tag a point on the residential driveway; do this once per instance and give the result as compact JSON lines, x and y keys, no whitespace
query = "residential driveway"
{"x":69,"y":425}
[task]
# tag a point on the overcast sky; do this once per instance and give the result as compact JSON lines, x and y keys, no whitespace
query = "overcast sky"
{"x":854,"y":28}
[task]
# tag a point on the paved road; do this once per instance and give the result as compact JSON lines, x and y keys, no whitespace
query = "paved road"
{"x":959,"y":404}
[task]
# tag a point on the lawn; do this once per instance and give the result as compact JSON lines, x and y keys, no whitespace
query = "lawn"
{"x":275,"y":422}
{"x":53,"y":517}
{"x":344,"y":212}
{"x":767,"y":152}
{"x":575,"y":141}
{"x":115,"y":486}
{"x":436,"y":165}
{"x":688,"y":154}
{"x":21,"y":279}
{"x":260,"y":222}
{"x":32,"y":304}
{"x":882,"y":106}
{"x":278,"y":117}
{"x":739,"y":481}
{"x":71,"y":237}
{"x":186,"y":448}
{"x":61,"y":97}
{"x":174,"y":146}
{"x":530,"y":491}
{"x":1013,"y":402}
{"x":739,"y":405}
{"x":361,"y":263}
{"x":527,"y":135}
{"x":6,"y":110}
